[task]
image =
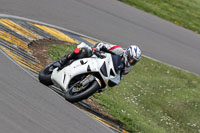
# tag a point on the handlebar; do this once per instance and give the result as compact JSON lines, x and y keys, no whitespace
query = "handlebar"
{"x":103,"y":49}
{"x":98,"y":54}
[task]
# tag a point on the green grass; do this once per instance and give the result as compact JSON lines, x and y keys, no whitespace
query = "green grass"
{"x":57,"y":51}
{"x":152,"y":98}
{"x":185,"y":13}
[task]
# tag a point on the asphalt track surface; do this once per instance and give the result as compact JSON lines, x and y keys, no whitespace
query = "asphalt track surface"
{"x":115,"y":22}
{"x":28,"y":106}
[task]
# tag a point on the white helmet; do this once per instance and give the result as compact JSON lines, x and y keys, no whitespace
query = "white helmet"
{"x":133,"y":54}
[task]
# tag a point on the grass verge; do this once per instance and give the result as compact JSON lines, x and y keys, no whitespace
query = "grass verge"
{"x":152,"y":98}
{"x":185,"y":13}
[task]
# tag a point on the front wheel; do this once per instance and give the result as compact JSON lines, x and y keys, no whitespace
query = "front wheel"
{"x":77,"y":93}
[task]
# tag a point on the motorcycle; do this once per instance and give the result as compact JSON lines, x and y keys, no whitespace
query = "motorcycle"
{"x":79,"y":79}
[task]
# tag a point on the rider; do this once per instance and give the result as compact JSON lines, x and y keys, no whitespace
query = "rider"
{"x":130,"y":56}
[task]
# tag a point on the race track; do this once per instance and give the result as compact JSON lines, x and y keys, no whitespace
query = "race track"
{"x":115,"y":22}
{"x":28,"y":106}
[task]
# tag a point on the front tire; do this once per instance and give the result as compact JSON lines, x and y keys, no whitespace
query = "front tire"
{"x":71,"y":97}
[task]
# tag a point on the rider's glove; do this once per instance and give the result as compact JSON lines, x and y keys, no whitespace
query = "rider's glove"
{"x":103,"y":48}
{"x":97,"y":53}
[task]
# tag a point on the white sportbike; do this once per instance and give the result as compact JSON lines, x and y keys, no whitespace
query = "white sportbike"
{"x":81,"y":78}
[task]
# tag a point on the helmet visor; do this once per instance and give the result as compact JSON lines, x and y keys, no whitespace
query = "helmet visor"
{"x":132,"y":61}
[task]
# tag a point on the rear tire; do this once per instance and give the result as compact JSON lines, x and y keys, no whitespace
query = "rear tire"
{"x":45,"y":75}
{"x":83,"y":95}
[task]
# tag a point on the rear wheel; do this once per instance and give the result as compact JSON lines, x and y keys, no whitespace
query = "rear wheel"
{"x":78,"y":92}
{"x":45,"y":74}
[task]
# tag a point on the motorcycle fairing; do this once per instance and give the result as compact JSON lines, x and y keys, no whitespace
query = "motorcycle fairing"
{"x":62,"y":77}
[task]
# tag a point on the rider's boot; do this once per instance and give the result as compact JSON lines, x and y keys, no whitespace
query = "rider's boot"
{"x":68,"y":57}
